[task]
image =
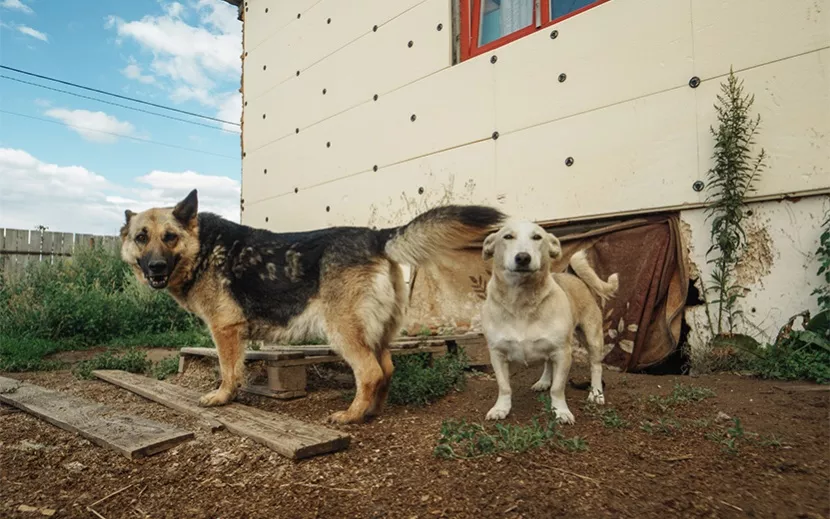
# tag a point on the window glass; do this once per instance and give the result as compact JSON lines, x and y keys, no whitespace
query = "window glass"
{"x":502,"y":17}
{"x":559,"y":8}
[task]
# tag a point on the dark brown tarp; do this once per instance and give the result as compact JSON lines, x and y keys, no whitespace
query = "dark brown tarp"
{"x":642,"y":324}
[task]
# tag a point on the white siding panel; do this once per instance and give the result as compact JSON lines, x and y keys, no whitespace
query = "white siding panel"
{"x":748,"y":33}
{"x":261,"y":25}
{"x":629,"y":157}
{"x":452,"y":108}
{"x":389,"y":197}
{"x":311,"y":38}
{"x":793,"y":99}
{"x":376,"y":63}
{"x":618,"y":51}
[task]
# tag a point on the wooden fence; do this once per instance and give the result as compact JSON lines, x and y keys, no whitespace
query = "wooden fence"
{"x":20,"y":247}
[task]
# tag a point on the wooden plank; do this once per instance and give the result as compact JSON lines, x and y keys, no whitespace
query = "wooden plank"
{"x":132,"y":436}
{"x":719,"y":25}
{"x":351,"y":76}
{"x":290,"y":437}
{"x":48,"y":246}
{"x":249,"y":354}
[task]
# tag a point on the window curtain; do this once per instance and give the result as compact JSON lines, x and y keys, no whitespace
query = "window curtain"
{"x":515,"y":15}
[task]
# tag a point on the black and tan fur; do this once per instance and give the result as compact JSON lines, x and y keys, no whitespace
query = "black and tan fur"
{"x":342,"y":283}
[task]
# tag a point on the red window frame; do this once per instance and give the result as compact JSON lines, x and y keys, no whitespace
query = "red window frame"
{"x":471,"y":20}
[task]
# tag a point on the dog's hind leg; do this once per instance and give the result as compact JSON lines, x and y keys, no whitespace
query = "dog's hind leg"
{"x":544,"y":382}
{"x":368,"y":374}
{"x":231,"y":354}
{"x":388,"y":368}
{"x":593,"y":337}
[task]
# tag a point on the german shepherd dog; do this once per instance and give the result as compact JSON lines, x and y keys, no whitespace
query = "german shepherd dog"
{"x":342,"y":283}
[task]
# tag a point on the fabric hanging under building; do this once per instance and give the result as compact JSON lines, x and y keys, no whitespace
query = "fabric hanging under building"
{"x":641,"y":324}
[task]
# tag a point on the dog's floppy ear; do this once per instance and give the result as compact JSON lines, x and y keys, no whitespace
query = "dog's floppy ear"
{"x":186,"y":210}
{"x":489,"y":246}
{"x":554,"y":247}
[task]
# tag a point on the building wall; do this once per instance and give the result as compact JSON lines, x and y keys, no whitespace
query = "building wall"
{"x":354,"y":113}
{"x":637,"y":132}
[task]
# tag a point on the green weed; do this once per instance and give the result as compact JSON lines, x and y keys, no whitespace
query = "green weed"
{"x":133,"y":361}
{"x":681,"y":394}
{"x":165,"y":367}
{"x":416,"y":382}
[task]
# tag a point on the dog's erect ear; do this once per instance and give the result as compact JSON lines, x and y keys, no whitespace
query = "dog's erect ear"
{"x":126,"y":227}
{"x":186,"y":210}
{"x":554,"y":247}
{"x":489,"y":246}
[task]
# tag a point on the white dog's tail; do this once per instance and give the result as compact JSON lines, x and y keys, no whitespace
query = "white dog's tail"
{"x":604,"y":289}
{"x":438,"y":231}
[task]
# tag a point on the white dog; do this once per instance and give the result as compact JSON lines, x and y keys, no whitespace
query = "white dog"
{"x":531,"y":315}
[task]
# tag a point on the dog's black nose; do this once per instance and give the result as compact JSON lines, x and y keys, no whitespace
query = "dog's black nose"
{"x":523,"y":259}
{"x":157,"y":266}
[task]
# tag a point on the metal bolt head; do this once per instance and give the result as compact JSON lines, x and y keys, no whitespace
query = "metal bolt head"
{"x":420,"y":190}
{"x":495,"y":135}
{"x":410,"y":44}
{"x":265,"y":171}
{"x":263,"y":116}
{"x":296,"y":130}
{"x":375,"y":167}
{"x":266,"y":9}
{"x":412,"y":118}
{"x":328,"y":21}
{"x":554,"y":34}
{"x":375,"y":28}
{"x":375,"y":97}
{"x":440,"y":26}
{"x":694,"y":82}
{"x":569,"y":161}
{"x":328,"y":144}
{"x":698,"y":186}
{"x":328,"y":208}
{"x":264,"y":67}
{"x":296,"y":190}
{"x":266,"y":219}
{"x":562,"y":77}
{"x":494,"y":59}
{"x":324,"y":91}
{"x":298,"y":15}
{"x":298,"y":72}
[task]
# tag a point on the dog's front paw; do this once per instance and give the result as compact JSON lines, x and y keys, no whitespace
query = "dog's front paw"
{"x":343,"y":418}
{"x":497,"y":413}
{"x":542,"y":385}
{"x":564,"y":416}
{"x":596,"y":396}
{"x":215,"y":398}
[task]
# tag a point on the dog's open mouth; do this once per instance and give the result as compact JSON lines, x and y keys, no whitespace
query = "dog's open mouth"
{"x":158,"y":280}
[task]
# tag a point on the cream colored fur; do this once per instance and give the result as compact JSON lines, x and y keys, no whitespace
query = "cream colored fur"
{"x":531,"y":315}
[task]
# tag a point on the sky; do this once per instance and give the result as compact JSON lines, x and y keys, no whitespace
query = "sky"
{"x":74,"y":164}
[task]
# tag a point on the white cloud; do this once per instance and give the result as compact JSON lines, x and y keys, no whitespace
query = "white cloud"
{"x":74,"y":199}
{"x":16,"y":5}
{"x":195,"y":49}
{"x":133,"y":71}
{"x":28,"y":31}
{"x":92,"y":126}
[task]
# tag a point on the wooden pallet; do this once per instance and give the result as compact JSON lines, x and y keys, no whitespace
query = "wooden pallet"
{"x":286,"y":365}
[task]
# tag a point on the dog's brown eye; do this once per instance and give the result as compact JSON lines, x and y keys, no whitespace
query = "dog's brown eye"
{"x":537,"y":237}
{"x":508,"y":236}
{"x":170,"y":237}
{"x":141,"y":239}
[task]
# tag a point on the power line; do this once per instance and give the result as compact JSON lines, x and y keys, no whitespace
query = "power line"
{"x":116,"y":104}
{"x":139,"y":139}
{"x":148,"y":103}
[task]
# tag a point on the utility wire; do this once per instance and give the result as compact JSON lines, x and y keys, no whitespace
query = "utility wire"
{"x":148,"y":103}
{"x":139,"y":139}
{"x":117,"y":104}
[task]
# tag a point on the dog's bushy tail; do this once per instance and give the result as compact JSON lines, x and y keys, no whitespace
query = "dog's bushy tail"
{"x":438,"y":231}
{"x":604,"y":289}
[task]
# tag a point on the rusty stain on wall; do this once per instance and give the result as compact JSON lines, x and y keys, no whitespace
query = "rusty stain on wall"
{"x":757,"y":260}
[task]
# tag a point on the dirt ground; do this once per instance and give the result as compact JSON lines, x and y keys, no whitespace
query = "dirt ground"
{"x":390,"y":471}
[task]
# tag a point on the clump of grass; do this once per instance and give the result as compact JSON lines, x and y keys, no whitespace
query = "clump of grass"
{"x":460,"y":439}
{"x":165,"y":367}
{"x":417,"y":382}
{"x":90,"y":299}
{"x":132,"y":361}
{"x":681,"y":394}
{"x":609,"y":416}
{"x":664,"y":425}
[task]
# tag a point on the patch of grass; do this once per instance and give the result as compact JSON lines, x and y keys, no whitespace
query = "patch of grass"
{"x":664,"y":425}
{"x":165,"y":367}
{"x":416,"y":382}
{"x":132,"y":361}
{"x":609,"y":416}
{"x":680,"y":394}
{"x":90,"y":299}
{"x":465,"y":440}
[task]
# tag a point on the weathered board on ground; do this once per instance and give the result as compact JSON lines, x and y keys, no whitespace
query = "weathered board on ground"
{"x":132,"y":436}
{"x":288,"y":436}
